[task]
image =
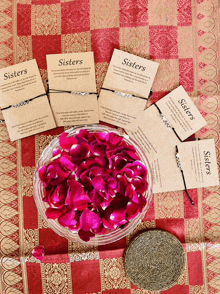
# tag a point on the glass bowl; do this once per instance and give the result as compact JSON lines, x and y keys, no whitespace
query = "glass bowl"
{"x":111,"y":236}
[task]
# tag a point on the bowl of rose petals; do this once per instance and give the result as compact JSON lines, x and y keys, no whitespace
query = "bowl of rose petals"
{"x":93,"y":184}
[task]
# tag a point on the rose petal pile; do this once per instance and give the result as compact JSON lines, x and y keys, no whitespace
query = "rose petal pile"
{"x":94,"y":183}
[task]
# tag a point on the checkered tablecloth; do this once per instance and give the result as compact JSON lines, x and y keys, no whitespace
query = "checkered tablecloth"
{"x":183,"y":37}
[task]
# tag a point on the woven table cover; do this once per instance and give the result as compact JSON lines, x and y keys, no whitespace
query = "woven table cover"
{"x":183,"y":37}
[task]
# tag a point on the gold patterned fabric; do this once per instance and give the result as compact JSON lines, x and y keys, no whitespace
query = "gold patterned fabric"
{"x":183,"y":37}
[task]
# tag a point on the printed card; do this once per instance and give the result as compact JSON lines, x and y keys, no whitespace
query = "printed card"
{"x":198,"y":162}
{"x":126,"y":89}
{"x":181,"y":113}
{"x":23,"y":100}
{"x":72,"y":87}
{"x":152,"y":135}
{"x":164,"y":125}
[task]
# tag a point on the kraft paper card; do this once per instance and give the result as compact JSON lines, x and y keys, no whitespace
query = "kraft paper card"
{"x":23,"y":100}
{"x":198,"y":162}
{"x":126,"y":89}
{"x":72,"y":87}
{"x":168,"y":122}
{"x":182,"y":114}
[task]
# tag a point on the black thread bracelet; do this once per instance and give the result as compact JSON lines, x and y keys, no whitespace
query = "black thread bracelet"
{"x":166,"y":121}
{"x":192,"y":139}
{"x":23,"y":102}
{"x":151,"y":93}
{"x":124,"y":94}
{"x":184,"y":181}
{"x":55,"y":91}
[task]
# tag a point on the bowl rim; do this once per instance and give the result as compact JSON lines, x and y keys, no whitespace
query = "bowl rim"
{"x":114,"y":235}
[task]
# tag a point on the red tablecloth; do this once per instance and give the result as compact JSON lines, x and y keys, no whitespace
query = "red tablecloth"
{"x":183,"y":36}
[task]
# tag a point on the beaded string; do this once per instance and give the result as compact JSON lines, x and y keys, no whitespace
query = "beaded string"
{"x":165,"y":121}
{"x":180,"y":167}
{"x":23,"y":102}
{"x":124,"y":94}
{"x":55,"y":91}
{"x":177,"y":151}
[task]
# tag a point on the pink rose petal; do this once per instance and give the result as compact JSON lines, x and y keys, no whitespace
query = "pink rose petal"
{"x":85,"y":235}
{"x":118,"y":202}
{"x":109,"y":224}
{"x":69,"y":219}
{"x":66,"y":142}
{"x":138,"y":168}
{"x":89,"y":220}
{"x":118,"y":215}
{"x":67,"y":163}
{"x":57,"y":196}
{"x":53,"y":213}
{"x":142,"y":201}
{"x":81,"y":203}
{"x":106,"y":203}
{"x":98,"y":149}
{"x":123,"y":183}
{"x":96,"y":198}
{"x":42,"y":177}
{"x":119,"y":162}
{"x":98,"y":183}
{"x":60,"y":175}
{"x":87,"y":183}
{"x":39,"y":252}
{"x":133,"y":210}
{"x":52,"y":174}
{"x":81,"y":140}
{"x":75,"y":189}
{"x":76,"y":197}
{"x":129,"y":155}
{"x":102,"y":161}
{"x":120,"y":149}
{"x":74,"y":228}
{"x":100,"y":137}
{"x":112,"y":182}
{"x":100,"y":230}
{"x":84,"y":133}
{"x":113,"y":139}
{"x":79,"y":151}
{"x":96,"y":170}
{"x":131,"y":193}
{"x":140,"y":184}
{"x":56,"y":152}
